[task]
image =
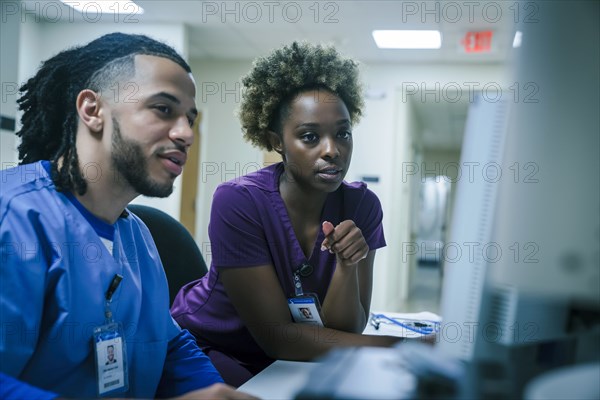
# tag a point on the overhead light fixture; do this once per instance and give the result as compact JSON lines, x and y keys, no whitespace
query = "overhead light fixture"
{"x":517,"y":39}
{"x":401,"y":39}
{"x":105,"y":7}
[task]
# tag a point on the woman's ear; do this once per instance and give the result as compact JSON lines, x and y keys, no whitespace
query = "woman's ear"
{"x":275,"y":141}
{"x":88,"y":109}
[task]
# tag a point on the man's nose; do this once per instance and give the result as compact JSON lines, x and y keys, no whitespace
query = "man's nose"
{"x":182,"y":132}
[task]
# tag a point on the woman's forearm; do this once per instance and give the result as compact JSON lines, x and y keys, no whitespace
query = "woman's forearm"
{"x":342,"y":308}
{"x":303,"y":342}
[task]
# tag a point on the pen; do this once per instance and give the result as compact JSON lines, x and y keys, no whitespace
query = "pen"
{"x":421,"y":327}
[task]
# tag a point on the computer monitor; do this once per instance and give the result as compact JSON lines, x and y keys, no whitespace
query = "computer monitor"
{"x":521,"y":287}
{"x":521,"y":290}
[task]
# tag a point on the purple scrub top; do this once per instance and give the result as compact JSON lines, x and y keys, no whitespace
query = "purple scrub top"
{"x":250,"y":226}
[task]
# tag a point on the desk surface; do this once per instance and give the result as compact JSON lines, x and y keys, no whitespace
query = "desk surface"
{"x":280,"y":380}
{"x":360,"y":373}
{"x":283,"y":379}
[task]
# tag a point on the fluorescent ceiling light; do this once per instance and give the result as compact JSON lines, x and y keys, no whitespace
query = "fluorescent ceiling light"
{"x":517,"y":39}
{"x":390,"y":39}
{"x":105,"y":7}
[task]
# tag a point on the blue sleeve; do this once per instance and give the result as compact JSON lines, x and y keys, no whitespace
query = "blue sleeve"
{"x":24,"y":262}
{"x":11,"y":388}
{"x":186,"y":368}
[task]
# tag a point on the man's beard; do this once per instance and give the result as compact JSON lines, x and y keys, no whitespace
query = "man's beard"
{"x":131,"y":164}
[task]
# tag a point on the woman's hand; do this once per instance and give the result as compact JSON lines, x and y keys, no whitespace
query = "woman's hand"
{"x":346,"y":304}
{"x":345,"y":241}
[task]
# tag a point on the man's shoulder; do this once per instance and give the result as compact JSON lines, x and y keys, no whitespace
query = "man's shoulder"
{"x":24,"y":184}
{"x":23,"y":178}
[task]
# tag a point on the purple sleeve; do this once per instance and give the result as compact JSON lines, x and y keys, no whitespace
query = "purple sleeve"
{"x":236,"y":232}
{"x":11,"y":388}
{"x":186,"y":368}
{"x":368,"y":218}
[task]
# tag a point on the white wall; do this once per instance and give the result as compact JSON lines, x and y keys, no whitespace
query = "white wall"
{"x":9,"y":43}
{"x":224,"y":154}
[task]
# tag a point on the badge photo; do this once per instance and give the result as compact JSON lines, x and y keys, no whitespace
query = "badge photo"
{"x":305,"y":310}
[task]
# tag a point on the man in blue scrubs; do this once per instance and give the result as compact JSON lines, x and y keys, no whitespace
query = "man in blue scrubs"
{"x":80,"y":276}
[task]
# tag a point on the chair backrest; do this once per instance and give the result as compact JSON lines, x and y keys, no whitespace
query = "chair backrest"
{"x":178,"y":251}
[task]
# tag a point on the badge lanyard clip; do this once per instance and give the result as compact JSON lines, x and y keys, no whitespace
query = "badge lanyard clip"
{"x":298,"y":285}
{"x":114,"y":284}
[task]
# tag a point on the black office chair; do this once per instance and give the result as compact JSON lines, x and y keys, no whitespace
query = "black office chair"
{"x":178,"y":251}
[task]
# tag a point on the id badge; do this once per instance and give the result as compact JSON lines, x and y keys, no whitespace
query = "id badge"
{"x":305,"y":309}
{"x":111,"y":359}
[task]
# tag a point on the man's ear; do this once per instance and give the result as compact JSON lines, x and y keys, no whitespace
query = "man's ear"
{"x":88,"y":109}
{"x":275,"y":141}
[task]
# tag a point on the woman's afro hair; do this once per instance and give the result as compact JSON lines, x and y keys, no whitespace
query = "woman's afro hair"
{"x":277,"y":79}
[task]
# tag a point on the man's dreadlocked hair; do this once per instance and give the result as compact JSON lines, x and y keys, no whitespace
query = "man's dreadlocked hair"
{"x":49,"y":121}
{"x":276,"y":79}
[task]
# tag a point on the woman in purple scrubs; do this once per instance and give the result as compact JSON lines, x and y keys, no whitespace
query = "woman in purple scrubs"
{"x":293,"y":235}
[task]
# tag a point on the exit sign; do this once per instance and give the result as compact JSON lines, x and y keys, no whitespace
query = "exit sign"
{"x":477,"y":42}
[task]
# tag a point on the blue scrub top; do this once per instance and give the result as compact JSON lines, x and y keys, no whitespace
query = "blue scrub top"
{"x":54,"y":274}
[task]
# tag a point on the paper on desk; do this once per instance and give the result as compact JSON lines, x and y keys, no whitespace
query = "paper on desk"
{"x":396,"y":330}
